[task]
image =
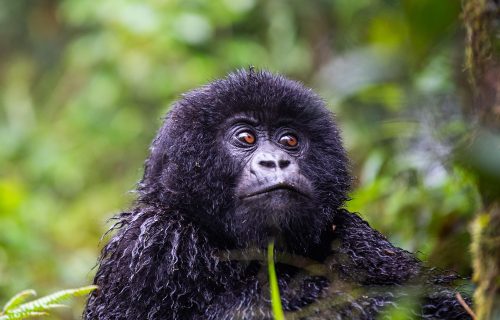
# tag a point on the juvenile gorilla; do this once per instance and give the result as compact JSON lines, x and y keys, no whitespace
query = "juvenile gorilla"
{"x":239,"y":162}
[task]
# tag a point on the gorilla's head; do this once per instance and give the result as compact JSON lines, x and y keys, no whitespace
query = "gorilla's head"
{"x":247,"y":158}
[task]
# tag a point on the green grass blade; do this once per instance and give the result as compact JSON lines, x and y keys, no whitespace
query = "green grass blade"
{"x":273,"y":284}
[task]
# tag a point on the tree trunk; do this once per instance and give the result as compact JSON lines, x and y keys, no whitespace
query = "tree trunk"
{"x":482,"y":156}
{"x":486,"y":262}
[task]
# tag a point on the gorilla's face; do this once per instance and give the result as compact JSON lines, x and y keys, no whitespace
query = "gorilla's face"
{"x":270,"y":187}
{"x":271,"y":156}
{"x":250,"y":157}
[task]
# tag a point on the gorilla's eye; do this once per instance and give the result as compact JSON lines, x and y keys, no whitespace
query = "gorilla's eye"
{"x":289,"y":140}
{"x":246,"y":137}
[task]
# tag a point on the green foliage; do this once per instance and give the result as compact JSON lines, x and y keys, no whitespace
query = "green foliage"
{"x":16,"y":308}
{"x":83,"y":86}
{"x":406,"y":309}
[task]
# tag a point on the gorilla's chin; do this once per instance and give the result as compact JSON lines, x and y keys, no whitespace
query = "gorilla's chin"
{"x":277,"y":214}
{"x":280,"y":199}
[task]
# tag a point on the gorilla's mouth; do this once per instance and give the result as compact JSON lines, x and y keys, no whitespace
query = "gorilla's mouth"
{"x":283,"y":186}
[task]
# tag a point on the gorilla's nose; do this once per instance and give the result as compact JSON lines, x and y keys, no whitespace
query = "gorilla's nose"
{"x":267,"y":162}
{"x":271,"y":164}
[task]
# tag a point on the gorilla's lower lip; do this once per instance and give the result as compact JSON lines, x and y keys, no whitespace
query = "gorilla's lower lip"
{"x":275,"y":187}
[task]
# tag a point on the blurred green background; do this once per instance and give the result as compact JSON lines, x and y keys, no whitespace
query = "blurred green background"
{"x":84,"y":84}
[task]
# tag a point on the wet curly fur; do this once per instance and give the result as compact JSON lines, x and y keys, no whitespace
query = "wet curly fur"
{"x":184,"y":251}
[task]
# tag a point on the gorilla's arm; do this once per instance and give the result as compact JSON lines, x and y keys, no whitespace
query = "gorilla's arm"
{"x":251,"y":300}
{"x":364,"y":255}
{"x":157,"y":266}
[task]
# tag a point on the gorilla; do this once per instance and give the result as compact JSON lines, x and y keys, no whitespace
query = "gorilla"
{"x":240,"y":162}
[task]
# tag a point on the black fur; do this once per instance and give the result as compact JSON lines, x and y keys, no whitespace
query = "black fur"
{"x":187,"y":251}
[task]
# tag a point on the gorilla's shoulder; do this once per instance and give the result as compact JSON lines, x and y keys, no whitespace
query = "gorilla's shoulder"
{"x":363,"y":253}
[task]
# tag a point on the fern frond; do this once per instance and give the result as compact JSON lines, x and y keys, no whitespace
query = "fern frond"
{"x":15,"y":309}
{"x":18,"y":299}
{"x":23,"y":315}
{"x":53,"y":299}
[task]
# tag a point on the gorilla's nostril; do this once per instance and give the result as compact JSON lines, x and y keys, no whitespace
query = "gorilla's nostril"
{"x":283,"y":163}
{"x":267,"y":163}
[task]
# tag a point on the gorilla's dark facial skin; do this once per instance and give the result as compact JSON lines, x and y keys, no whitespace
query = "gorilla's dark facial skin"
{"x":239,"y":162}
{"x":271,"y":163}
{"x":271,"y":184}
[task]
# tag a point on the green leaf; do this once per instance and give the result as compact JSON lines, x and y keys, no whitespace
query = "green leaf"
{"x":273,"y":283}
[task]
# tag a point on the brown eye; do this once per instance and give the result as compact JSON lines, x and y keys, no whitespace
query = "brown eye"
{"x":289,"y":140}
{"x":246,"y":137}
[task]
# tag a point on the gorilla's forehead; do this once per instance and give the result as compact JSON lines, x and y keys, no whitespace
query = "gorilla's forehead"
{"x":266,"y":97}
{"x":263,"y":119}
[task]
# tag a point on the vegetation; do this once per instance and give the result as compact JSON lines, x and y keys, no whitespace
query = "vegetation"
{"x":84,"y":84}
{"x":16,"y":308}
{"x":483,"y":62}
{"x":273,"y":284}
